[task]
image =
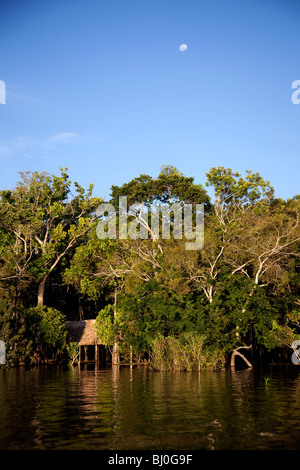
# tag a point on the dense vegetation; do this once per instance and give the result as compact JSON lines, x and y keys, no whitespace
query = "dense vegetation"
{"x":154,"y":300}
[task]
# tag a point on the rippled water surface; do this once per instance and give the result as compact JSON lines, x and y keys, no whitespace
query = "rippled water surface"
{"x":123,"y":408}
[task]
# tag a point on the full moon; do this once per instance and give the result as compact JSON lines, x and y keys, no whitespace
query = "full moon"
{"x":183,"y":47}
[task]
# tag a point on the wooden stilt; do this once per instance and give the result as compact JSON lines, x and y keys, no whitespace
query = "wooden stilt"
{"x":96,"y":354}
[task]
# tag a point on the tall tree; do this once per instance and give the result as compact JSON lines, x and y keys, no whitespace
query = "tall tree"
{"x":42,"y":224}
{"x":168,"y":187}
{"x":259,"y":234}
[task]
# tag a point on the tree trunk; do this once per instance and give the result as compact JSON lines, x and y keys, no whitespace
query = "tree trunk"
{"x":237,"y":353}
{"x":115,"y":354}
{"x":41,"y":291}
{"x":80,"y":309}
{"x":85,"y":353}
{"x":131,"y":356}
{"x":96,"y":354}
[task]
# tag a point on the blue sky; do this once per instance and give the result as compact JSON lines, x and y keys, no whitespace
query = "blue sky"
{"x":102,"y":88}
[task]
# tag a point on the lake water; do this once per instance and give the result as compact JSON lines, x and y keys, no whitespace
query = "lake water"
{"x":137,"y":409}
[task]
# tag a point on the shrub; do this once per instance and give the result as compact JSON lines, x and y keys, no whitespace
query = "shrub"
{"x":186,"y":352}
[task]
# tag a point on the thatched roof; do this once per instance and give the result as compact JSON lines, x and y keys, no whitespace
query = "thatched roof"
{"x":82,"y":332}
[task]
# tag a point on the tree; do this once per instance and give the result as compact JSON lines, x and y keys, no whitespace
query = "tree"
{"x":41,"y":225}
{"x":108,"y":267}
{"x":259,"y":234}
{"x":229,"y":293}
{"x":170,"y":186}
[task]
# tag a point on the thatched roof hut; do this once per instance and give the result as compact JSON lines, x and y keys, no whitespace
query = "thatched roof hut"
{"x":82,"y":332}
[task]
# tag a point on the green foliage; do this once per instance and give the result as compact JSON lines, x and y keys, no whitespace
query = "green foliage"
{"x":32,"y":334}
{"x":185,"y":352}
{"x":267,"y":382}
{"x":107,"y":326}
{"x":41,"y":224}
{"x":52,"y":327}
{"x":170,"y":186}
{"x":45,"y":331}
{"x":12,"y":332}
{"x":230,"y":185}
{"x":72,"y":350}
{"x":179,"y":308}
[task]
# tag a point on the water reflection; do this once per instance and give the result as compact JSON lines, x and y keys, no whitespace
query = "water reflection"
{"x":134,"y":408}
